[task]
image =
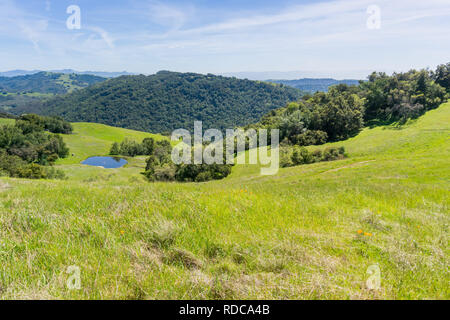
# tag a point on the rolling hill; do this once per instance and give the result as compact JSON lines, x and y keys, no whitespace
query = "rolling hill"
{"x":309,"y":232}
{"x":47,"y":83}
{"x":168,"y":100}
{"x":27,"y":91}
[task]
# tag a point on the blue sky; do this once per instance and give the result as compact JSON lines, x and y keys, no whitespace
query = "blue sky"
{"x":316,"y":38}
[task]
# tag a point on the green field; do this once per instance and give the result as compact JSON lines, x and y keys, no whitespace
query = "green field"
{"x":6,"y":121}
{"x":289,"y":236}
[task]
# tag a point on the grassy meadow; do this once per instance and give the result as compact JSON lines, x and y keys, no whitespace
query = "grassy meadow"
{"x":309,"y":232}
{"x":6,"y":121}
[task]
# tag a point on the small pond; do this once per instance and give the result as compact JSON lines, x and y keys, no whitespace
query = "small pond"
{"x":105,"y":162}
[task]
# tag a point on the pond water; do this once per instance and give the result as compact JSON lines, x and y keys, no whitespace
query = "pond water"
{"x":105,"y":162}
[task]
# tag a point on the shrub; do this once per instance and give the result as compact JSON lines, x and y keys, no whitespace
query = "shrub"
{"x":115,"y":150}
{"x":330,"y":154}
{"x":165,"y":173}
{"x":203,"y":176}
{"x":317,"y":155}
{"x":293,"y":156}
{"x":286,"y":157}
{"x":310,"y":137}
{"x":301,"y":155}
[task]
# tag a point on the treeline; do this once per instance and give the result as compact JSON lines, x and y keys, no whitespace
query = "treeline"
{"x":296,"y":155}
{"x":167,"y":101}
{"x":403,"y":96}
{"x":132,"y":148}
{"x":33,"y":122}
{"x":32,"y":144}
{"x":159,"y":165}
{"x":344,"y":110}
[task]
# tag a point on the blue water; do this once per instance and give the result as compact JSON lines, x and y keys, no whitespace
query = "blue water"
{"x":105,"y":162}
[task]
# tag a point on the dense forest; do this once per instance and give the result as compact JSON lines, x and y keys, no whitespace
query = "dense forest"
{"x":30,"y":146}
{"x":344,"y":110}
{"x":46,"y":83}
{"x":166,"y":101}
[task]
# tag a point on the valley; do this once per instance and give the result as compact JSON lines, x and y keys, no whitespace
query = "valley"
{"x":225,"y":159}
{"x":294,"y":235}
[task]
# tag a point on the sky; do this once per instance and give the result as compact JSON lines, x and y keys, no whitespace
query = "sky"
{"x":338,"y":38}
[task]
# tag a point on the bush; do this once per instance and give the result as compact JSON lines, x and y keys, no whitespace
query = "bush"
{"x":32,"y":122}
{"x":165,"y":173}
{"x":330,"y":154}
{"x":310,"y":137}
{"x":115,"y":149}
{"x":203,"y":176}
{"x":317,"y":155}
{"x":301,"y":155}
{"x":295,"y":155}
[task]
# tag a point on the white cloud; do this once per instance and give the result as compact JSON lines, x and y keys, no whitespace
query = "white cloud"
{"x":320,"y":36}
{"x":167,"y":15}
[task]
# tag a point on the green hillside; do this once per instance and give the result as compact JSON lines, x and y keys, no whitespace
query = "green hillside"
{"x":6,"y":121}
{"x":47,"y":83}
{"x":168,"y":100}
{"x":289,"y":236}
{"x":28,"y":91}
{"x":93,"y":139}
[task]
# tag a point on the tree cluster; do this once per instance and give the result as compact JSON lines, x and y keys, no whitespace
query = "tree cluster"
{"x":30,"y":144}
{"x":131,"y":148}
{"x":403,"y":96}
{"x":159,"y":165}
{"x":296,"y":155}
{"x":344,"y":110}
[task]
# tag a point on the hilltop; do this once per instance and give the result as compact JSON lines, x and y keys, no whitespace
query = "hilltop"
{"x":26,"y":91}
{"x":312,"y":85}
{"x":105,"y":74}
{"x":169,"y":100}
{"x":47,"y":83}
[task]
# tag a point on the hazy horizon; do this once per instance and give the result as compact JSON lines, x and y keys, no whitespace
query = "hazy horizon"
{"x":338,"y":39}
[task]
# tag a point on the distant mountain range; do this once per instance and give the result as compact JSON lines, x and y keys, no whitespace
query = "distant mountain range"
{"x":15,"y":73}
{"x":26,"y":90}
{"x":304,"y":80}
{"x":47,"y":83}
{"x":312,"y":85}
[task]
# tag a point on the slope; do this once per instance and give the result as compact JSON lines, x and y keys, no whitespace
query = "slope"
{"x":309,"y":232}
